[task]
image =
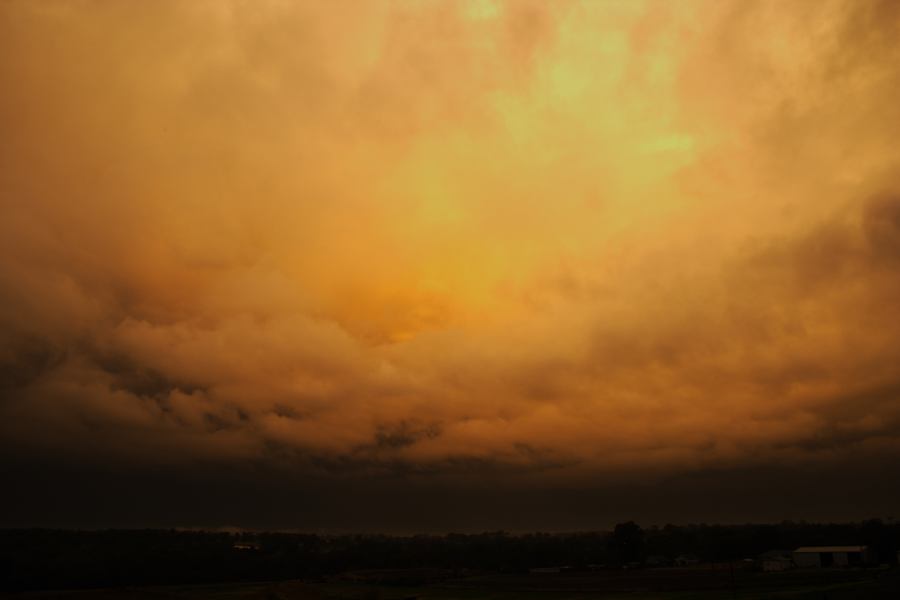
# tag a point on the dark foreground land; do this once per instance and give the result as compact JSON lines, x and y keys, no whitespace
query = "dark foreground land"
{"x":673,"y":562}
{"x":706,"y":582}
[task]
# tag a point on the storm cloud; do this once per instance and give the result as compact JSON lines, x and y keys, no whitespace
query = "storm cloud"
{"x":570,"y":253}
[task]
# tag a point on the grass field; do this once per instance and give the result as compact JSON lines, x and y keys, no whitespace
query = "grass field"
{"x":649,"y":584}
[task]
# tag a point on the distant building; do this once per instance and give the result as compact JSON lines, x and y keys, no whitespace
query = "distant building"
{"x":686,"y":560}
{"x":250,"y":546}
{"x":832,"y":556}
{"x":776,"y":560}
{"x":549,"y":569}
{"x":544,"y":570}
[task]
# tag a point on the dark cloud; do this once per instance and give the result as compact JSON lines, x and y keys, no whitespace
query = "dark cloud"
{"x":881,"y":223}
{"x":26,"y":359}
{"x":403,"y":434}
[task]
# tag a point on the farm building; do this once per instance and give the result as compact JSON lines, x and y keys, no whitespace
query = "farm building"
{"x":832,"y":556}
{"x":686,"y":560}
{"x":776,"y":560}
{"x":246,"y":546}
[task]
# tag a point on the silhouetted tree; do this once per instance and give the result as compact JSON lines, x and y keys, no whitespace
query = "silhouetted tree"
{"x":627,"y":542}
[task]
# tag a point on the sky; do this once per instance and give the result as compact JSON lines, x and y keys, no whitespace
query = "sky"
{"x":430,"y":265}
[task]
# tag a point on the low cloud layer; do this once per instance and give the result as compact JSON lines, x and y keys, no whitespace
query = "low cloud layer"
{"x":455,"y":247}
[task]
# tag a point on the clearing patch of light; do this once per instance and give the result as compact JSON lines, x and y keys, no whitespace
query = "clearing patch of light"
{"x":482,"y":10}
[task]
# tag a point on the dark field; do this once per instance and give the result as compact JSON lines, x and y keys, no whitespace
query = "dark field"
{"x":709,"y":582}
{"x":723,"y":563}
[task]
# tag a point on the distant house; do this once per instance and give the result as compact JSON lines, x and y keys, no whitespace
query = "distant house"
{"x":832,"y":556}
{"x":776,"y":560}
{"x":249,"y":546}
{"x":549,"y":569}
{"x":686,"y":560}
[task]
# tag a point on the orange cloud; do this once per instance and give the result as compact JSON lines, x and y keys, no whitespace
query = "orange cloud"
{"x":592,"y":239}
